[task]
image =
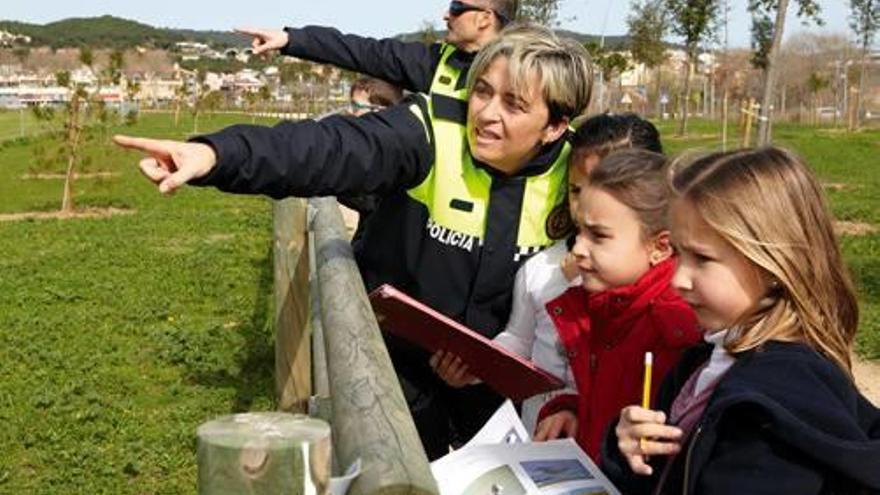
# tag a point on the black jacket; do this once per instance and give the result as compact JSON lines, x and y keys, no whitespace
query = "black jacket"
{"x":387,"y":153}
{"x":783,"y":420}
{"x":410,"y":65}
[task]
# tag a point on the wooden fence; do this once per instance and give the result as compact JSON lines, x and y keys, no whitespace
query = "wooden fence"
{"x":331,"y":360}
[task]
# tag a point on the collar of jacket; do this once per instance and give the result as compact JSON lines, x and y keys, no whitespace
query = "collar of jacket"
{"x":608,"y":312}
{"x":631,"y":299}
{"x":461,"y":59}
{"x":541,"y":163}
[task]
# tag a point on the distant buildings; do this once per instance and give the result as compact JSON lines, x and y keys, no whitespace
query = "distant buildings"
{"x":10,"y":39}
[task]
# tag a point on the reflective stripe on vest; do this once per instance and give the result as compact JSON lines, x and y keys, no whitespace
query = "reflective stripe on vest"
{"x":448,"y":103}
{"x":456,"y":192}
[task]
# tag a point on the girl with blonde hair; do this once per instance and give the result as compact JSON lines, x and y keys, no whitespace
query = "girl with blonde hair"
{"x":768,"y":405}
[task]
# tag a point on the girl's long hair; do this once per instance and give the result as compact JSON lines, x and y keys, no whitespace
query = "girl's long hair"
{"x":769,"y":206}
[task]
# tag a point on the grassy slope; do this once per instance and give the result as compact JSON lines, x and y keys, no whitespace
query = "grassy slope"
{"x":118,"y":337}
{"x":839,"y":159}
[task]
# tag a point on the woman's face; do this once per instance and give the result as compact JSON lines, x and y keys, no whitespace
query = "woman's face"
{"x":506,"y":129}
{"x":719,"y":283}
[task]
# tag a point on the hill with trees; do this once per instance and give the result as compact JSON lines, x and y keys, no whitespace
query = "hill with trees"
{"x":114,"y":32}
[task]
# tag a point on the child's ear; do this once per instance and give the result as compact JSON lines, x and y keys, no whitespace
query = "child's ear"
{"x":554,"y":131}
{"x":660,"y":248}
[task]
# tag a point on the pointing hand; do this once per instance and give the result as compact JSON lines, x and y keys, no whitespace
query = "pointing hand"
{"x":265,"y":39}
{"x":171,"y":164}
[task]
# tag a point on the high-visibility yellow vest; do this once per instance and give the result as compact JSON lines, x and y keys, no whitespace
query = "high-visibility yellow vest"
{"x":456,"y":192}
{"x":447,"y":102}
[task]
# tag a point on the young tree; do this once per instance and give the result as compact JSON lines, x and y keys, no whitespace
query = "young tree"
{"x":539,"y":11}
{"x":132,"y":89}
{"x":695,"y":21}
{"x":648,"y":25}
{"x":200,"y":99}
{"x":767,"y":38}
{"x":72,"y":135}
{"x":264,"y":96}
{"x":864,"y":21}
{"x":815,"y":84}
{"x":181,"y":95}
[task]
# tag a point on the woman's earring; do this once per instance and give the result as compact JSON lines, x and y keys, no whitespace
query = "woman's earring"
{"x":774,"y":291}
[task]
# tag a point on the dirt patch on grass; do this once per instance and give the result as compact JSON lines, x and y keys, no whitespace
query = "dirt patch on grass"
{"x":836,"y":186}
{"x":214,"y":238}
{"x":91,"y":175}
{"x":58,"y":215}
{"x":868,"y":379}
{"x":692,"y":136}
{"x":854,"y":228}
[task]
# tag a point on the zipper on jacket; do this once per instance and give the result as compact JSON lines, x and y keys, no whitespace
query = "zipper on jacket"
{"x":687,"y":460}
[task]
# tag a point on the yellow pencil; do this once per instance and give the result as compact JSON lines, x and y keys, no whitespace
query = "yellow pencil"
{"x":646,"y":388}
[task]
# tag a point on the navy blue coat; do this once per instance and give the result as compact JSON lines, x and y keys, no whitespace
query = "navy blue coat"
{"x":783,"y":420}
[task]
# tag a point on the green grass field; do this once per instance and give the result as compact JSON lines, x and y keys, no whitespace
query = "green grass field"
{"x":14,"y":124}
{"x":119,"y":336}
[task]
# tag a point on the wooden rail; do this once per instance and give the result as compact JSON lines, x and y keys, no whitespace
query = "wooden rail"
{"x":351,"y":379}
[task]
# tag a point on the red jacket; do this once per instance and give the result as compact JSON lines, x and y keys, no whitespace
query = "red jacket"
{"x":606,"y":336}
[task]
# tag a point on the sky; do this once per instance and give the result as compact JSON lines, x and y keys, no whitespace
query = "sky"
{"x":368,"y":17}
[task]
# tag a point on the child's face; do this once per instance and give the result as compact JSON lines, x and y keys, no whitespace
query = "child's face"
{"x":610,"y":250}
{"x":578,"y":171}
{"x":719,"y":283}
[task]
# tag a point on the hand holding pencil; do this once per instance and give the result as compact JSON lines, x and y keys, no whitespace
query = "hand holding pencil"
{"x":642,"y":433}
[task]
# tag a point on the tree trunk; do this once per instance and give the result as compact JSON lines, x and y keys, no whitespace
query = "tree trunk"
{"x":783,"y":110}
{"x":659,"y":90}
{"x":770,"y":74}
{"x":860,"y":96}
{"x":73,"y":131}
{"x":685,"y":100}
{"x":724,"y":123}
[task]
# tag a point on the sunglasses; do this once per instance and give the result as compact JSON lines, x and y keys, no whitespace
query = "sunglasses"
{"x":457,"y":8}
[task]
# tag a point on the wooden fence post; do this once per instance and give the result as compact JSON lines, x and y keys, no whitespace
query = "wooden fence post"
{"x":264,"y":454}
{"x":750,"y":115}
{"x":293,"y":377}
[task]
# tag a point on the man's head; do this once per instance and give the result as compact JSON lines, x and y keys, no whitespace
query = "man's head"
{"x":369,"y":94}
{"x":471,"y":24}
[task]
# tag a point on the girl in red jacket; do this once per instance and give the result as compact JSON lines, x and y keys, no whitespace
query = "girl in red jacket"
{"x":625,"y":306}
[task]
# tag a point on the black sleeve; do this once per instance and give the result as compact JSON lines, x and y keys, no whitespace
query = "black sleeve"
{"x":378,"y":153}
{"x":408,"y":65}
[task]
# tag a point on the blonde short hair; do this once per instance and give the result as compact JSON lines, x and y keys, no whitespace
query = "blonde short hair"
{"x":768,"y":205}
{"x":563,"y":67}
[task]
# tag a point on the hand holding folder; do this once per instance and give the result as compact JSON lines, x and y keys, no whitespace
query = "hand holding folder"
{"x":505,"y":372}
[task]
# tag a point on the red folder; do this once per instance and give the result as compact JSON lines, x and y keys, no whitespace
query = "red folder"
{"x":507,"y":373}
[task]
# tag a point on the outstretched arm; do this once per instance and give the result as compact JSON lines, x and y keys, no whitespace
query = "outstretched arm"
{"x":378,"y":153}
{"x":408,"y":65}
